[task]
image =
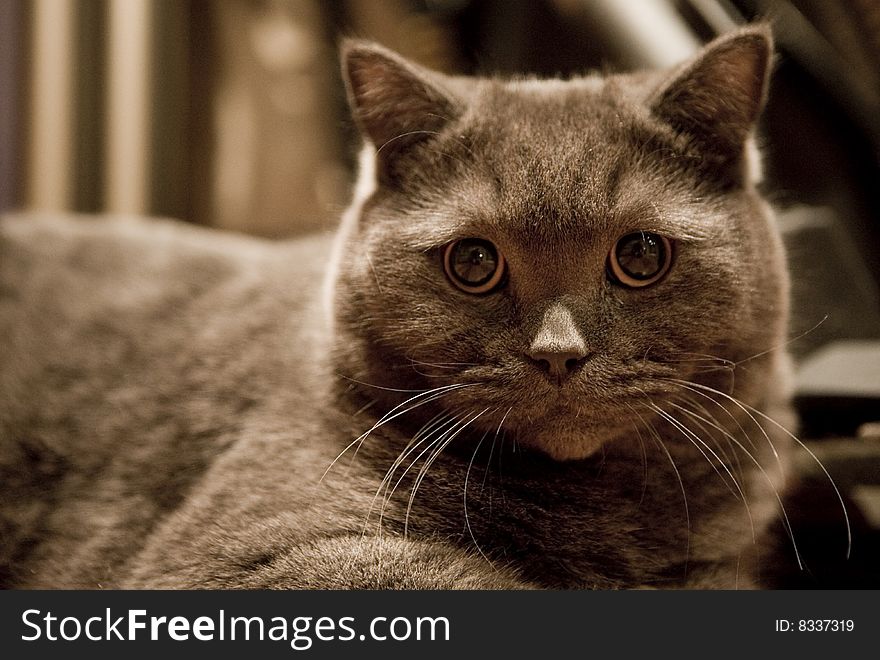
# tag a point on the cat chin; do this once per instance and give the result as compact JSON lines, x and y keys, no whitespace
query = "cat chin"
{"x":566,"y":443}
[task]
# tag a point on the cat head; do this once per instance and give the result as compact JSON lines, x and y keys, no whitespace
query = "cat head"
{"x":549,"y":255}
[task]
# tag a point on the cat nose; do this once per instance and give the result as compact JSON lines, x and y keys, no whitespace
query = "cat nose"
{"x":558,"y":347}
{"x":559,"y":365}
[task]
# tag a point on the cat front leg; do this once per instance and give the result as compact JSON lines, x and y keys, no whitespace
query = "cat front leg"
{"x":344,"y":562}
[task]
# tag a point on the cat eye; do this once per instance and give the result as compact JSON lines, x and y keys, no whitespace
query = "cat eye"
{"x":640,"y":258}
{"x":474,"y":265}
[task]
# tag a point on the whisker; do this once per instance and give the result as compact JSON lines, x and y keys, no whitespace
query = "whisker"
{"x":786,"y":522}
{"x":821,"y":467}
{"x":365,"y":407}
{"x":380,"y":387}
{"x":447,"y":366}
{"x":375,"y":274}
{"x":644,"y":464}
{"x":403,"y":135}
{"x":430,"y":395}
{"x":441,"y":430}
{"x":691,"y":405}
{"x":696,"y":387}
{"x":785,"y":343}
{"x":659,"y":441}
{"x":443,"y":365}
{"x":736,"y":575}
{"x":427,"y":466}
{"x":701,"y":357}
{"x":739,"y":494}
{"x":423,"y":434}
{"x":697,"y":441}
{"x":467,"y":520}
{"x":492,"y":448}
{"x":436,"y":449}
{"x":785,"y":519}
{"x":453,"y":427}
{"x":731,"y":458}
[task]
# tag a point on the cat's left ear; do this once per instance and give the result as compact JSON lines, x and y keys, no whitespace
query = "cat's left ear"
{"x":715,"y":98}
{"x":396,"y":103}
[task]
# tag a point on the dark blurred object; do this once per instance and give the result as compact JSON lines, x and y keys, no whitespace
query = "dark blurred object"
{"x":823,"y":119}
{"x":828,"y":559}
{"x":838,"y":389}
{"x":834,"y":295}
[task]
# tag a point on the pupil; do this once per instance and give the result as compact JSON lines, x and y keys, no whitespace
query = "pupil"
{"x":474,"y":263}
{"x":641,"y":256}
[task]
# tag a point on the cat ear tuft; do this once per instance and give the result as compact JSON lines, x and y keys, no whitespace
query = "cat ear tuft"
{"x":716,"y":98}
{"x":395,"y":103}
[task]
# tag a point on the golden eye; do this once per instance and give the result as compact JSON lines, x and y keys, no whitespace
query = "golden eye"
{"x":640,"y":259}
{"x":474,"y":265}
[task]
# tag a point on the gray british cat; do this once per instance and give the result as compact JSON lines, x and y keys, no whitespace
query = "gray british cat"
{"x":546,"y":353}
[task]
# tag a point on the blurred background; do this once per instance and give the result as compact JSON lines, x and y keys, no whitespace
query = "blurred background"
{"x":232,"y":114}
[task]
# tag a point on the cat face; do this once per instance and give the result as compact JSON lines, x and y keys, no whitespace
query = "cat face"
{"x":554,"y":255}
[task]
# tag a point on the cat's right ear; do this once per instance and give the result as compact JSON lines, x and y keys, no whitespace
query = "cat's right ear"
{"x":715,"y":99}
{"x":395,"y":103}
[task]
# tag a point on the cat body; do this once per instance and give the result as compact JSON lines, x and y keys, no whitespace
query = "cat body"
{"x":184,"y":409}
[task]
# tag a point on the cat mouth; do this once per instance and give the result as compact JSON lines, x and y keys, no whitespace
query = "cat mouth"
{"x":569,"y":421}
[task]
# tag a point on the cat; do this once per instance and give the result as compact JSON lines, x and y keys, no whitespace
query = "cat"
{"x":544,"y":350}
